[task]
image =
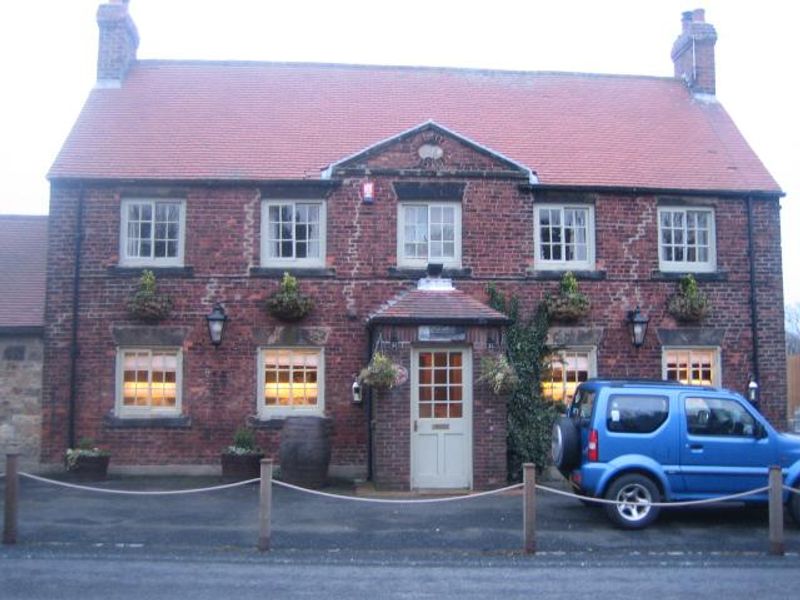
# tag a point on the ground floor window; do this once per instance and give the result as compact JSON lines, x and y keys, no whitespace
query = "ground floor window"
{"x":568,"y":368}
{"x":149,"y":382}
{"x":291,"y":381}
{"x":696,"y":366}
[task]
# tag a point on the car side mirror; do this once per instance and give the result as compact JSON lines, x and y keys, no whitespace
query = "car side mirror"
{"x":759,"y":431}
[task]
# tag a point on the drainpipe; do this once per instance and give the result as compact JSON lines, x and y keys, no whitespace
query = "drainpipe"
{"x":73,"y":350}
{"x":753,"y":299}
{"x":368,"y":402}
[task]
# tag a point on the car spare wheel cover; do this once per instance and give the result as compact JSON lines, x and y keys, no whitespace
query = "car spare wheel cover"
{"x":566,"y":444}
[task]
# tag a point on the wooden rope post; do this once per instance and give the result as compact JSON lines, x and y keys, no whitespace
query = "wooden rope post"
{"x":529,"y":507}
{"x":776,"y":511}
{"x":265,"y":505}
{"x":10,"y":512}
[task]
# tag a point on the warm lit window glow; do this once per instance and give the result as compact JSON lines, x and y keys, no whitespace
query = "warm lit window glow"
{"x":291,"y":379}
{"x":695,"y":366}
{"x":567,"y":369}
{"x":149,"y":382}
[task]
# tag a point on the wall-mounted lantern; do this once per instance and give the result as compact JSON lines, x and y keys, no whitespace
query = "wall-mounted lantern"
{"x":638,"y":325}
{"x":216,"y":324}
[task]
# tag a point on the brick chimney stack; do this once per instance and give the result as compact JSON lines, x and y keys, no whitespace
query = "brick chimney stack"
{"x":118,"y":42}
{"x":693,"y":52}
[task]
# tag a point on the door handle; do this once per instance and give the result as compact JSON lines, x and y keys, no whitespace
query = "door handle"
{"x":695,"y":447}
{"x":415,"y":426}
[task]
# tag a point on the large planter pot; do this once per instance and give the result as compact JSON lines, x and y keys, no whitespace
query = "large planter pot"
{"x":90,"y":468}
{"x":305,"y":451}
{"x":241,"y":466}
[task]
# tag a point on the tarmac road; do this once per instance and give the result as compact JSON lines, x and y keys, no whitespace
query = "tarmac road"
{"x":86,"y":545}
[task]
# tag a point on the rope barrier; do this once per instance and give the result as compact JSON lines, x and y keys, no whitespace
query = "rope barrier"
{"x":791,"y":490}
{"x":665,"y":504}
{"x":395,"y":501}
{"x":137,"y":492}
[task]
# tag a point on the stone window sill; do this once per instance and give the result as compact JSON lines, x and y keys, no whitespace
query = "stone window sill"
{"x":411,"y":273}
{"x":299,"y":273}
{"x":556,"y":275}
{"x":676,"y":276}
{"x":117,"y":422}
{"x":160,"y":272}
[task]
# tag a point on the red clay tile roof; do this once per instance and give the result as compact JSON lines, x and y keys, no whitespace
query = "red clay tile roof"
{"x":439,"y":307}
{"x":23,"y":262}
{"x":256,"y":121}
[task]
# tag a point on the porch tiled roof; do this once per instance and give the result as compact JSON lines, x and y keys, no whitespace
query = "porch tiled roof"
{"x":195,"y":120}
{"x":437,"y":307}
{"x":23,"y":262}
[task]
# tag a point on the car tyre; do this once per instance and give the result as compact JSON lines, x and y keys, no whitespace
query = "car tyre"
{"x":565,"y":448}
{"x":635,"y":492}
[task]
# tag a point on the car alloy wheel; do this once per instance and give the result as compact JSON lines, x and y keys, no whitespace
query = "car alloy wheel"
{"x":635,"y":495}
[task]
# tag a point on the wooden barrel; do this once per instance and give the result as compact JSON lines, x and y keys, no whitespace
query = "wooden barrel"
{"x":305,"y":451}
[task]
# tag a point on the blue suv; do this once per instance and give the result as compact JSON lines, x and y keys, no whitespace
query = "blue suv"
{"x":638,"y":442}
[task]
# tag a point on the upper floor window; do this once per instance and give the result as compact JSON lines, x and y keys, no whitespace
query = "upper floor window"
{"x":291,"y":381}
{"x":152,"y":232}
{"x":568,"y":368}
{"x":564,"y":237}
{"x":686,"y":239}
{"x":149,"y":382}
{"x":429,"y":233}
{"x":695,"y":366}
{"x":293,"y":233}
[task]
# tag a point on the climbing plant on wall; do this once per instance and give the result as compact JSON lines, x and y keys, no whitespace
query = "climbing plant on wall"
{"x":530,"y":416}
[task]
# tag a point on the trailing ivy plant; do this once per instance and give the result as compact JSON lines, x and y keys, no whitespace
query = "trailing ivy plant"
{"x":689,"y":304}
{"x":530,"y":415}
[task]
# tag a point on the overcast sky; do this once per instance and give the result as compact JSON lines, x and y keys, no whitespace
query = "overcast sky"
{"x":48,"y":50}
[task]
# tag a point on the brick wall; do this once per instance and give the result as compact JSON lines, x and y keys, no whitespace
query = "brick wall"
{"x":223,"y":224}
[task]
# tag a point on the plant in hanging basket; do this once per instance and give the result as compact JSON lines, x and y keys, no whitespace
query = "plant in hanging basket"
{"x":242,"y":459}
{"x":146,"y":304}
{"x":380,"y":373}
{"x":499,"y":374}
{"x":570,"y":304}
{"x":689,"y":304}
{"x":87,"y":461}
{"x":289,"y":303}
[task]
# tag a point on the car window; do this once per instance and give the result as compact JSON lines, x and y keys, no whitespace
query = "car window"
{"x":718,"y":416}
{"x":636,"y":414}
{"x":582,"y":405}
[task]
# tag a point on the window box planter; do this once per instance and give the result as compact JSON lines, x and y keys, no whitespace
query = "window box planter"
{"x":288,"y":303}
{"x":147,"y":305}
{"x":569,"y":305}
{"x":689,"y":304}
{"x":241,"y":466}
{"x":242,"y":460}
{"x":87,"y":462}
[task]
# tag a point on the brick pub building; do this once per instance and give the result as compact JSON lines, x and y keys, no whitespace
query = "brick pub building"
{"x":221,"y":176}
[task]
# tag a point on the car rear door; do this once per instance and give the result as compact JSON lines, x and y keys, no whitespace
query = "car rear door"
{"x":719,"y":451}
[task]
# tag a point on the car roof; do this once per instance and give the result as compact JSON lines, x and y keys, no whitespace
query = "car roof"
{"x":645,"y":383}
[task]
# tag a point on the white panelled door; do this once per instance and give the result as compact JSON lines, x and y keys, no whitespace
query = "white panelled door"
{"x":441,"y":418}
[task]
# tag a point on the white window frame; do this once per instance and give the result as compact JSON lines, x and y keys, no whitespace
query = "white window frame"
{"x":542,"y":264}
{"x":138,"y":261}
{"x":684,"y":266}
{"x":590,"y":351}
{"x":308,"y":262}
{"x":147,"y":412}
{"x":266,"y":411}
{"x":716,"y":358}
{"x":403,"y":261}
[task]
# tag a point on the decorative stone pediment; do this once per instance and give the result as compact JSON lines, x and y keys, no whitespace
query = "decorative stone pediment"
{"x":429,"y":149}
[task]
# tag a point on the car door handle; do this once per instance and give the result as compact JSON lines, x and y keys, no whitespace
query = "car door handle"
{"x":695,"y":447}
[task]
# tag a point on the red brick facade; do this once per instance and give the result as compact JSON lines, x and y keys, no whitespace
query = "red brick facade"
{"x":222,"y":249}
